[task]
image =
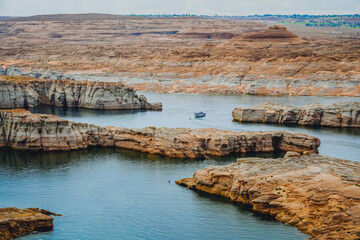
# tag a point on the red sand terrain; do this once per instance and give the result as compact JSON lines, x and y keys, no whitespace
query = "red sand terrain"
{"x":196,"y":55}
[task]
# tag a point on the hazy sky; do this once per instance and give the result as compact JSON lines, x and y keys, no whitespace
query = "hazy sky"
{"x":210,"y":7}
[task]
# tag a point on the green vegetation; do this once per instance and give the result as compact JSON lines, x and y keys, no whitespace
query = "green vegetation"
{"x":348,"y":21}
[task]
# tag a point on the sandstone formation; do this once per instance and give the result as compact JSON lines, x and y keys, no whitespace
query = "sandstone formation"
{"x":345,"y":114}
{"x":317,"y":194}
{"x":16,"y":222}
{"x":21,"y":130}
{"x":272,"y":32}
{"x":23,"y":92}
{"x":193,"y":55}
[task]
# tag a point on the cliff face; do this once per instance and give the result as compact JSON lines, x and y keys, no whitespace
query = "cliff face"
{"x":346,"y":114}
{"x":16,"y":222}
{"x":18,"y":92}
{"x":317,"y":194}
{"x":21,"y":130}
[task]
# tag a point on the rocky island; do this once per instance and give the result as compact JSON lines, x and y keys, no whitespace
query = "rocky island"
{"x":24,"y":92}
{"x":317,"y":194}
{"x":343,"y":114}
{"x":16,"y":222}
{"x":22,"y":130}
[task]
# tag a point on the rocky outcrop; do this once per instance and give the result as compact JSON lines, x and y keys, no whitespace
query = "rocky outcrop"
{"x":20,"y":92}
{"x":345,"y":114}
{"x":16,"y":222}
{"x":275,"y":31}
{"x":21,"y":130}
{"x":317,"y":194}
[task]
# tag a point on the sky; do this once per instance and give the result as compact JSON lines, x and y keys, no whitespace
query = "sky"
{"x":208,"y":7}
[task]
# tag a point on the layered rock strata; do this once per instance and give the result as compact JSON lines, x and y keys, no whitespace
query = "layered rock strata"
{"x":16,"y":222}
{"x":226,"y":83}
{"x":317,"y":194}
{"x":345,"y":114}
{"x":21,"y":130}
{"x":20,"y":92}
{"x":191,"y":55}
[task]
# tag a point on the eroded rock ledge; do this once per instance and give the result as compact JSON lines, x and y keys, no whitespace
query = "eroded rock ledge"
{"x":23,"y":92}
{"x":16,"y":222}
{"x":22,"y":130}
{"x":225,"y":83}
{"x":317,"y":194}
{"x":346,"y":114}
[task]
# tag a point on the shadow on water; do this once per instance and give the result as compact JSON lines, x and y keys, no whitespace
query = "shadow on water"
{"x":78,"y":112}
{"x":44,"y":161}
{"x":246,"y":210}
{"x":339,"y":130}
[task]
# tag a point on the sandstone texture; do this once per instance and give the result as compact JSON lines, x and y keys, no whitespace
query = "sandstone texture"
{"x":344,"y":114}
{"x":16,"y":222}
{"x":193,"y":55}
{"x":23,"y":92}
{"x":21,"y":130}
{"x":317,"y":194}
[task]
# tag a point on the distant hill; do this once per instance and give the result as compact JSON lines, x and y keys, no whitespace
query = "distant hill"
{"x":4,"y":17}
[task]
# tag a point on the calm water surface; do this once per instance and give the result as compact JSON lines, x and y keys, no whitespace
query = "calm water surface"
{"x":119,"y":194}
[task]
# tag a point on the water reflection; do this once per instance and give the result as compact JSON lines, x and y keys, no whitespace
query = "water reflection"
{"x":79,"y":112}
{"x":12,"y":160}
{"x":347,"y":131}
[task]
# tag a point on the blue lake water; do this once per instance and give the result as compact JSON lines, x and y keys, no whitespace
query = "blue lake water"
{"x":120,"y":194}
